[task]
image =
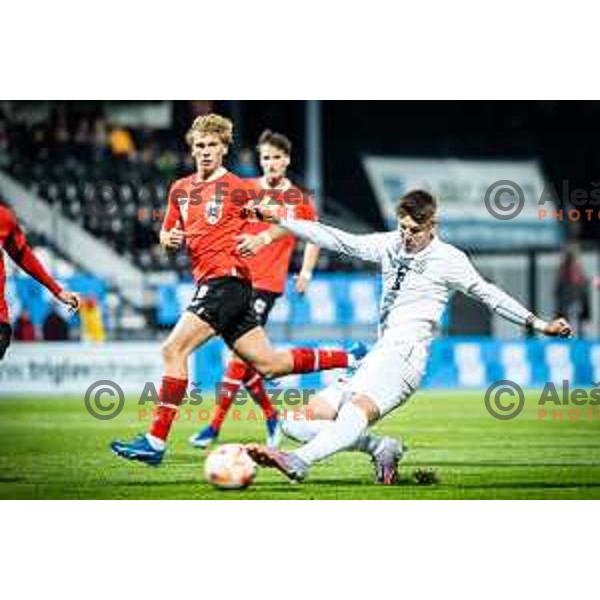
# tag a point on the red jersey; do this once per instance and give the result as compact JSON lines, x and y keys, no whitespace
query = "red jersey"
{"x":270,"y":266}
{"x":13,"y":241}
{"x":211,"y":215}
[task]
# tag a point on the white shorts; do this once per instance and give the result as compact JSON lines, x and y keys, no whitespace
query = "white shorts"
{"x":389,"y":375}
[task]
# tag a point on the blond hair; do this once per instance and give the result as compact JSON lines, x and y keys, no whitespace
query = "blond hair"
{"x":221,"y":126}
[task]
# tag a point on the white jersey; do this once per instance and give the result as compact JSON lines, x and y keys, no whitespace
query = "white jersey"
{"x":416,"y":287}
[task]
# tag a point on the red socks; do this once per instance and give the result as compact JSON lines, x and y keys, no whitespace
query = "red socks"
{"x":257,"y":390}
{"x":172,"y":392}
{"x":235,"y":375}
{"x":307,"y":360}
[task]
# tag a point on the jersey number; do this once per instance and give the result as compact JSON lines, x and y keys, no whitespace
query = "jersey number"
{"x":400,"y":276}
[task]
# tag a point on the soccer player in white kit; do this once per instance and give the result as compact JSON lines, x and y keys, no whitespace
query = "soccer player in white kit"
{"x":419,"y":272}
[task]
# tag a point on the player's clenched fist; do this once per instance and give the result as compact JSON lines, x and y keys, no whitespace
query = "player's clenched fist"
{"x":173,"y":239}
{"x":558,"y":328}
{"x":71,"y":299}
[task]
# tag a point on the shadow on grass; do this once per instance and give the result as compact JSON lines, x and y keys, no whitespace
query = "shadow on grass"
{"x":158,"y":483}
{"x":525,"y":485}
{"x":486,"y":464}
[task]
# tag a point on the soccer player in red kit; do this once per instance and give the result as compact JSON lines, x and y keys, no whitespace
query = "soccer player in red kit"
{"x":208,"y":211}
{"x":14,"y":243}
{"x":269,"y":270}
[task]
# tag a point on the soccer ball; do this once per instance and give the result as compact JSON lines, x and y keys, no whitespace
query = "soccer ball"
{"x":229,"y":467}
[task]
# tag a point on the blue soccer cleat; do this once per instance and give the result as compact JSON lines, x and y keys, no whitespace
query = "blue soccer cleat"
{"x":138,"y":449}
{"x":205,"y":437}
{"x":358,"y":350}
{"x":273,"y":433}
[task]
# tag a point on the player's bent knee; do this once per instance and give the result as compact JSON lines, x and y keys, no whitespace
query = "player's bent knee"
{"x":171,"y":351}
{"x":319,"y":409}
{"x":267,"y":367}
{"x":367,"y":405}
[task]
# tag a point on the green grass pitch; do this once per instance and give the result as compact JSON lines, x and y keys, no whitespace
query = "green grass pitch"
{"x":52,"y":448}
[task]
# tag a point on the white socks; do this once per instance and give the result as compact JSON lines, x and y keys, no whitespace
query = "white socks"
{"x":342,"y":433}
{"x":301,"y":429}
{"x":155,"y":442}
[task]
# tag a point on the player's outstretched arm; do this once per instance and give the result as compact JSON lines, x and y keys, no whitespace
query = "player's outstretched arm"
{"x":18,"y":249}
{"x":369,"y":247}
{"x":463,"y":276}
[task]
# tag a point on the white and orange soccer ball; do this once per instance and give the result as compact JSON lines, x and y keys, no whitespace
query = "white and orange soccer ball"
{"x":229,"y":467}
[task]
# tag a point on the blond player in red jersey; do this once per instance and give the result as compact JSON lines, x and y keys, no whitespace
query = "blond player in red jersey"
{"x":208,"y":212}
{"x":14,"y":243}
{"x":269,"y":270}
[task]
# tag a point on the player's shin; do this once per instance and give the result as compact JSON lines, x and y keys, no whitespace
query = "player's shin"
{"x":254,"y":384}
{"x":171,"y":395}
{"x":299,"y":427}
{"x":345,"y":431}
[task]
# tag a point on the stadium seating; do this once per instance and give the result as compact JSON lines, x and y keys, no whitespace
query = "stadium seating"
{"x":120,"y":202}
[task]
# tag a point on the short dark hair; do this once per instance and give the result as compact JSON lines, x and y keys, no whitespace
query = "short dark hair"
{"x":418,"y":204}
{"x":278,"y":140}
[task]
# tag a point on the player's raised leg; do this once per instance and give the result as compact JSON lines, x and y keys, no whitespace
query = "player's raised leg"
{"x":254,"y":347}
{"x":189,"y":334}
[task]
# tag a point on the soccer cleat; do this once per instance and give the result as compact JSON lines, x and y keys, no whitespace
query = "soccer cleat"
{"x":357,"y":351}
{"x":205,"y":437}
{"x":286,"y":462}
{"x":273,"y":433}
{"x":138,"y":449}
{"x":385,"y":461}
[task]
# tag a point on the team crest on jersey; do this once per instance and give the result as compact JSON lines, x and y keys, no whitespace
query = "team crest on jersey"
{"x":419,"y":266}
{"x":214,"y":210}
